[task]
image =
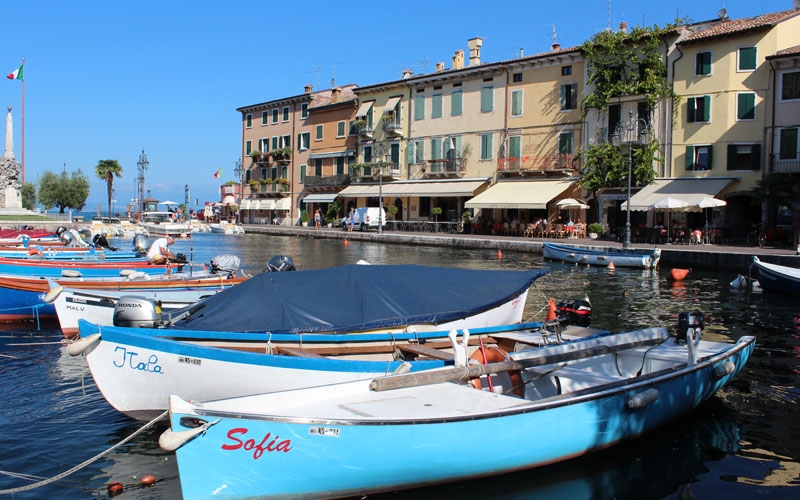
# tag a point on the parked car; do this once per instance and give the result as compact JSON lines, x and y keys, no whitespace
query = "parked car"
{"x":366,"y":218}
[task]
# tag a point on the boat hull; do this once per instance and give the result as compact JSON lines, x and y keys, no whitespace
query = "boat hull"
{"x":777,"y":278}
{"x":644,"y":259}
{"x":359,"y":443}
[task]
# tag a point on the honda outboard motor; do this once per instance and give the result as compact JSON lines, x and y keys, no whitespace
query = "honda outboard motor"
{"x":689,"y":320}
{"x":66,"y":237}
{"x":280,"y":263}
{"x":575,"y":312}
{"x":225,"y":264}
{"x":100,"y":241}
{"x":60,"y":230}
{"x":140,"y":243}
{"x":136,"y":311}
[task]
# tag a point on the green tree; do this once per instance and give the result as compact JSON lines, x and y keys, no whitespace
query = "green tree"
{"x":63,"y":191}
{"x":28,"y":191}
{"x":107,"y":170}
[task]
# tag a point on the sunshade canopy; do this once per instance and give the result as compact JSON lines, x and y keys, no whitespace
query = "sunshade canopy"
{"x":689,"y":190}
{"x":520,"y":194}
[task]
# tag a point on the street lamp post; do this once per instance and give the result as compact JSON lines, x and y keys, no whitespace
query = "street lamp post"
{"x":380,"y":152}
{"x":634,"y":131}
{"x":143,"y":165}
{"x":238,"y":171}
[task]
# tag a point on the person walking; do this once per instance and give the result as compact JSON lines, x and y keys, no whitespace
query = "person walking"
{"x":317,"y":220}
{"x":351,"y":220}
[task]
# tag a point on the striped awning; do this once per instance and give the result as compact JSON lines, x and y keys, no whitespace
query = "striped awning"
{"x":283,"y":204}
{"x":690,"y":190}
{"x":336,"y":154}
{"x":520,"y":194}
{"x":363,"y":110}
{"x":458,"y":187}
{"x":320,"y":198}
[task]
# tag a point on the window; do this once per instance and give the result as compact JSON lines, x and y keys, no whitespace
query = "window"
{"x":486,"y":146}
{"x":516,"y":103}
{"x":456,"y":102}
{"x":790,"y":86}
{"x":340,"y":129}
{"x":286,"y":113}
{"x":264,"y":117}
{"x":286,"y":141}
{"x":569,"y":96}
{"x":248,"y":120}
{"x":514,"y":147}
{"x":416,"y":152}
{"x":744,"y":156}
{"x":788,"y":144}
{"x":436,"y":148}
{"x":566,"y":70}
{"x":367,"y":154}
{"x":419,"y":107}
{"x":517,"y":77}
{"x":318,"y":167}
{"x":302,"y":174}
{"x":248,"y":147}
{"x":452,"y":147}
{"x":746,"y":106}
{"x":263,"y":145}
{"x":275,"y":142}
{"x":263,"y":173}
{"x":339,"y":165}
{"x":702,"y":63}
{"x":698,"y":157}
{"x":304,"y":110}
{"x":285,"y":172}
{"x":351,"y":126}
{"x":318,"y":132}
{"x":487,"y":99}
{"x":275,"y":113}
{"x":273,"y":173}
{"x":699,"y":109}
{"x":747,"y":59}
{"x":436,"y":106}
{"x":303,"y":140}
{"x":565,"y":143}
{"x":614,"y":117}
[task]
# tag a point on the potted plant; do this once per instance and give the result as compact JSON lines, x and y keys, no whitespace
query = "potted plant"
{"x":595,"y":230}
{"x":304,"y":218}
{"x":436,"y":211}
{"x":253,"y":185}
{"x":255,"y":155}
{"x":392,"y":209}
{"x":467,"y":218}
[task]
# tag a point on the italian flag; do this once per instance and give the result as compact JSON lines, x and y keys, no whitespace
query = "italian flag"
{"x":218,"y":173}
{"x":16,"y":74}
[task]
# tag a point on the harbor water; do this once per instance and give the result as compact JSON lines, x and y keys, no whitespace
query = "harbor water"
{"x":744,"y":443}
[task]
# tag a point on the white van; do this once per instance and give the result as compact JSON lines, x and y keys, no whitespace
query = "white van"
{"x":366,"y":218}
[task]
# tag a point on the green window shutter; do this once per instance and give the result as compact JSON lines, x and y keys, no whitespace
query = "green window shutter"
{"x":458,"y":146}
{"x":248,"y":147}
{"x":456,"y":103}
{"x":394,"y":152}
{"x":275,"y":142}
{"x":746,"y":106}
{"x":264,"y":117}
{"x":487,"y":99}
{"x":788,"y":145}
{"x":436,"y":148}
{"x":514,"y":147}
{"x":731,"y":156}
{"x":516,"y":103}
{"x":565,"y":143}
{"x":703,"y":63}
{"x":710,"y":156}
{"x":689,"y":158}
{"x":756,"y":155}
{"x":340,"y":129}
{"x":410,"y":153}
{"x":302,"y":173}
{"x":691,"y":111}
{"x":436,"y":106}
{"x":421,"y":151}
{"x":419,"y":107}
{"x":747,"y":58}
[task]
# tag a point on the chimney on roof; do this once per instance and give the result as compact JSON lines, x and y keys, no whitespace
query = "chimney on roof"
{"x":309,"y":88}
{"x":336,"y":92}
{"x":408,"y":73}
{"x":623,"y":27}
{"x":458,"y":59}
{"x":555,"y":46}
{"x":439,"y":66}
{"x":474,"y":45}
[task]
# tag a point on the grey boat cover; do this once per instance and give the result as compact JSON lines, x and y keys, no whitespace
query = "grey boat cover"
{"x":355,"y":298}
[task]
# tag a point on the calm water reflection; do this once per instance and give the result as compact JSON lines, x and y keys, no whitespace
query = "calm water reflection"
{"x":743,"y":444}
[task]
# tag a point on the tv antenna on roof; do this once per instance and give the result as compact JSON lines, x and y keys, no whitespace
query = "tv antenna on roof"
{"x":319,"y":68}
{"x":333,"y":74}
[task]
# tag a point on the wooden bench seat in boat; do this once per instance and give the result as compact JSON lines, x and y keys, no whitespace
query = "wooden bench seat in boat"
{"x":423,"y":350}
{"x":297,"y":351}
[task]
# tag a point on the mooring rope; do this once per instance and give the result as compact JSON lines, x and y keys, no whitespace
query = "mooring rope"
{"x":80,"y":465}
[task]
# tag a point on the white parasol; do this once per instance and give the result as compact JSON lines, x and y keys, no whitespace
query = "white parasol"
{"x":571,"y":203}
{"x":668,"y":204}
{"x":169,"y":203}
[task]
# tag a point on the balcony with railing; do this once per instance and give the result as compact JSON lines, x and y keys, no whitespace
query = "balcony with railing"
{"x":337,"y":180}
{"x":778,"y":165}
{"x":538,"y":165}
{"x":393,"y":126}
{"x":370,"y":171}
{"x":446,"y":167}
{"x":364,"y":129}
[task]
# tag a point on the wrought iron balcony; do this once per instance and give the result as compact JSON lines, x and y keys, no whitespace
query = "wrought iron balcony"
{"x":778,"y":165}
{"x":327,"y":181}
{"x":393,"y":126}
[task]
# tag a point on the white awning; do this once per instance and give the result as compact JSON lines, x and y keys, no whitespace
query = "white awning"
{"x":363,"y":110}
{"x":320,"y":198}
{"x":283,"y":204}
{"x":690,"y":190}
{"x":520,"y":194}
{"x":415,"y":188}
{"x":266,"y":204}
{"x":391,"y":104}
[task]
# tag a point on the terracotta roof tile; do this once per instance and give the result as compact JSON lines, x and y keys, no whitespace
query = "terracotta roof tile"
{"x":733,"y":26}
{"x":791,"y":51}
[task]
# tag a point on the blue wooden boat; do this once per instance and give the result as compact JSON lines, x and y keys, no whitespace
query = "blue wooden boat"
{"x":84,"y":268}
{"x":602,"y":256}
{"x":429,"y":427}
{"x":777,"y":278}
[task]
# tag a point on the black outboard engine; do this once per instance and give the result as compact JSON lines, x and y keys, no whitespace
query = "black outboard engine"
{"x":140,"y":243}
{"x":575,"y":312}
{"x":60,"y":230}
{"x":180,"y":260}
{"x":280,"y":263}
{"x":100,"y":241}
{"x":687,"y":320}
{"x":136,"y":311}
{"x":225,"y":264}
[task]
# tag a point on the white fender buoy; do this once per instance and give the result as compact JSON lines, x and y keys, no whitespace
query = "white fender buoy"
{"x":53,"y":294}
{"x":724,"y":369}
{"x":79,"y":346}
{"x":70,"y":273}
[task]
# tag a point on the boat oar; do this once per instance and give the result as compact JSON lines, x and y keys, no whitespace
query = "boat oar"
{"x":463,"y":374}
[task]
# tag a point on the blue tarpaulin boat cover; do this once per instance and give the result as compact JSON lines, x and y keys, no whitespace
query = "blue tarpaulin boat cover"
{"x":356,"y":298}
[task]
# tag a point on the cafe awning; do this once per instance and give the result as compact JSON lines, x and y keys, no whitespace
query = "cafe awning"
{"x":320,"y":198}
{"x":460,"y":187}
{"x":520,"y":194}
{"x":283,"y":204}
{"x":363,"y":110}
{"x":391,"y":103}
{"x":266,"y":204}
{"x":689,"y":190}
{"x":335,"y":154}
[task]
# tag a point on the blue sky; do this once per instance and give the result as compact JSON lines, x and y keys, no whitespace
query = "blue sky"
{"x":104,"y":79}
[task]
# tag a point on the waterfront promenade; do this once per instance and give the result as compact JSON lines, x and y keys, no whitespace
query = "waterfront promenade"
{"x":713,"y":257}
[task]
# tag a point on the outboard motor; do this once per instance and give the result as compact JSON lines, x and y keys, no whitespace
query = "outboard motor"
{"x":136,"y":311}
{"x":66,"y":237}
{"x":140,"y":243}
{"x":280,"y":263}
{"x":689,"y":320}
{"x":225,"y":264}
{"x":26,"y":240}
{"x":179,"y":261}
{"x":60,"y":230}
{"x":575,"y":312}
{"x":100,"y":241}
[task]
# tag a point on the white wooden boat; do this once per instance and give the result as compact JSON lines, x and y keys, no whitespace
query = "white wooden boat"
{"x":160,"y":224}
{"x":429,"y":427}
{"x":223,"y":227}
{"x":605,"y":256}
{"x":777,"y":278}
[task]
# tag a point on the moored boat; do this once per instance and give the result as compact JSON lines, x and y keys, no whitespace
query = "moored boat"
{"x":777,"y":278}
{"x":224,"y":227}
{"x":410,"y":430}
{"x":160,"y":224}
{"x":605,"y":256}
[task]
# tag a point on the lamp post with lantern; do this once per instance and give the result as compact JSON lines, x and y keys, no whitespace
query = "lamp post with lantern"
{"x":635,"y":131}
{"x":238,"y":171}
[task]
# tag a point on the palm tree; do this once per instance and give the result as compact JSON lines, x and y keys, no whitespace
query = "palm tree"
{"x":106,"y":170}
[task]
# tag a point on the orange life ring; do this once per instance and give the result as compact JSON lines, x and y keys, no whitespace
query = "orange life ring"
{"x":495,"y":354}
{"x":34,"y":251}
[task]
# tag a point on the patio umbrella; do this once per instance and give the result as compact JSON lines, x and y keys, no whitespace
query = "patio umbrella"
{"x":668,"y":204}
{"x":703,"y":204}
{"x":169,"y":203}
{"x":570,"y":203}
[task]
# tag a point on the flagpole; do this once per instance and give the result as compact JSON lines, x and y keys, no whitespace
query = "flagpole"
{"x":22,"y":163}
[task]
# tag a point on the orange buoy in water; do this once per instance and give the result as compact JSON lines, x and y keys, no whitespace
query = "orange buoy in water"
{"x":346,"y":242}
{"x":114,"y":489}
{"x":678,"y":274}
{"x":551,"y":310}
{"x":499,"y":254}
{"x":611,"y":265}
{"x":148,"y":480}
